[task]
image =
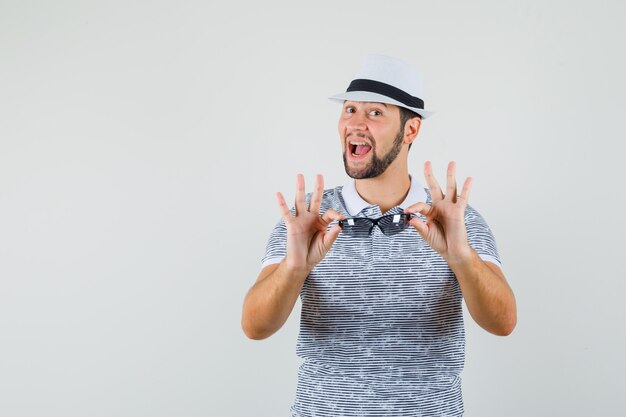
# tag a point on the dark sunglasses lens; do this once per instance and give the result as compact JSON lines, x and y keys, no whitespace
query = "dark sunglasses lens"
{"x":356,"y":227}
{"x":394,"y":223}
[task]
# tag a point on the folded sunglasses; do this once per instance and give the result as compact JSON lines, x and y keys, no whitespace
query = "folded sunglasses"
{"x":390,"y":224}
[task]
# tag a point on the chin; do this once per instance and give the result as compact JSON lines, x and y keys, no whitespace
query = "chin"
{"x":359,"y":174}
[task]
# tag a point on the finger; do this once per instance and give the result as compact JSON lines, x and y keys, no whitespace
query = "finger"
{"x":451,"y":182}
{"x":300,"y":203}
{"x":420,"y":226}
{"x":331,"y":215}
{"x":420,"y":207}
{"x":330,"y":236}
{"x":282,"y":206}
{"x":433,"y":185}
{"x":466,"y":189}
{"x":316,"y":198}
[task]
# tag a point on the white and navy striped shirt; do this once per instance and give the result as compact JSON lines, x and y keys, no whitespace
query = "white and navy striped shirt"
{"x":381,"y":330}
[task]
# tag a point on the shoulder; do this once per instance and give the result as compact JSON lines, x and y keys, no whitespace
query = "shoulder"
{"x":328,"y":192}
{"x":471,"y":211}
{"x":475,"y":223}
{"x":471,"y":214}
{"x":331,"y":197}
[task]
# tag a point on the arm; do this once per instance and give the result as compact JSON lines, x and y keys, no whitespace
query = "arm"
{"x":489,"y":298}
{"x":269,"y":302}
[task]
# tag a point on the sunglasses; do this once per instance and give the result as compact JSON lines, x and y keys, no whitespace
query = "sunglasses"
{"x":390,"y":225}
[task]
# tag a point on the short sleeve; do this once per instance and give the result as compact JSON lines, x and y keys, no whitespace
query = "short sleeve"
{"x":480,"y":237}
{"x":276,"y":247}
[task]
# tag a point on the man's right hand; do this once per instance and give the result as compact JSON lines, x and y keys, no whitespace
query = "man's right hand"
{"x":308,"y":241}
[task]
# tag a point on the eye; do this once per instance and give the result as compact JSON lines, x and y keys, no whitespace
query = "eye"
{"x":375,"y":113}
{"x":349,"y":109}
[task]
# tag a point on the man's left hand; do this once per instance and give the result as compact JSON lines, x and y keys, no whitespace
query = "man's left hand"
{"x":444,"y":229}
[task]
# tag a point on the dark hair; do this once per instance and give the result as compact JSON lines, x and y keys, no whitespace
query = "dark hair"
{"x":406,"y":114}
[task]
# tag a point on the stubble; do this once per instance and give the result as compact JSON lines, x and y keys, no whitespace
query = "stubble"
{"x":378,"y":165}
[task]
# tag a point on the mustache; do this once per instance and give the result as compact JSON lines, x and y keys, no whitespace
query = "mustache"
{"x":362,"y":135}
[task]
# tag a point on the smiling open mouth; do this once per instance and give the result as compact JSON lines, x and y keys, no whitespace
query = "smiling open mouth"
{"x":359,"y":148}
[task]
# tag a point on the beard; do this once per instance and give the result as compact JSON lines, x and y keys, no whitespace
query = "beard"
{"x":377,"y":165}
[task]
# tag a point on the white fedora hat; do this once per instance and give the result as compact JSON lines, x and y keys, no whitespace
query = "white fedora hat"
{"x":384,"y":79}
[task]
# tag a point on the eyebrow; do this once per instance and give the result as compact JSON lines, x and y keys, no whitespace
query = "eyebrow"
{"x":376,"y":102}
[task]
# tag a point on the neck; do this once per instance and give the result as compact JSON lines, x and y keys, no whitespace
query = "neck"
{"x":388,"y":189}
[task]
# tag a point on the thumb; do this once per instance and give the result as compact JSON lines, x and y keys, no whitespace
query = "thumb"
{"x":420,"y":226}
{"x":330,"y":236}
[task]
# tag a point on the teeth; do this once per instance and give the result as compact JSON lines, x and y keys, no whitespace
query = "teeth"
{"x":357,"y":143}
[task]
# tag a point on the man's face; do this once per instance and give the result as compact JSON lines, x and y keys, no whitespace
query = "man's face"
{"x":371,"y":137}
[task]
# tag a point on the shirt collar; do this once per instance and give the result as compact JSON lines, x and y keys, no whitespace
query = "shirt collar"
{"x":355,"y":204}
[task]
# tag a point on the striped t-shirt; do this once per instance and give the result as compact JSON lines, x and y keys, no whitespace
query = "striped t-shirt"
{"x":381,"y":330}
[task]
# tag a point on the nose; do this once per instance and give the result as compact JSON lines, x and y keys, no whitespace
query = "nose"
{"x":357,"y":121}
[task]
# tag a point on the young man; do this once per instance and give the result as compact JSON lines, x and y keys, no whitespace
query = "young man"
{"x":381,"y":330}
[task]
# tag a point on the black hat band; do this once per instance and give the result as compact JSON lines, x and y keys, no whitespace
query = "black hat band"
{"x":386,"y":90}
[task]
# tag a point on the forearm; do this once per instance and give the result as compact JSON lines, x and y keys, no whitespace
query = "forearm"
{"x":269,"y":302}
{"x":488,"y":297}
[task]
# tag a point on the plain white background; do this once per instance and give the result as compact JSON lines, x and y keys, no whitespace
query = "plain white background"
{"x":142,"y":142}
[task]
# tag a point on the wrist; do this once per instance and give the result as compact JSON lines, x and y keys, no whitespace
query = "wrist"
{"x":295,"y":269}
{"x":460,"y":257}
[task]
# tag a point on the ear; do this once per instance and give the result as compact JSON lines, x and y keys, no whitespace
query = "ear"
{"x":411,"y":129}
